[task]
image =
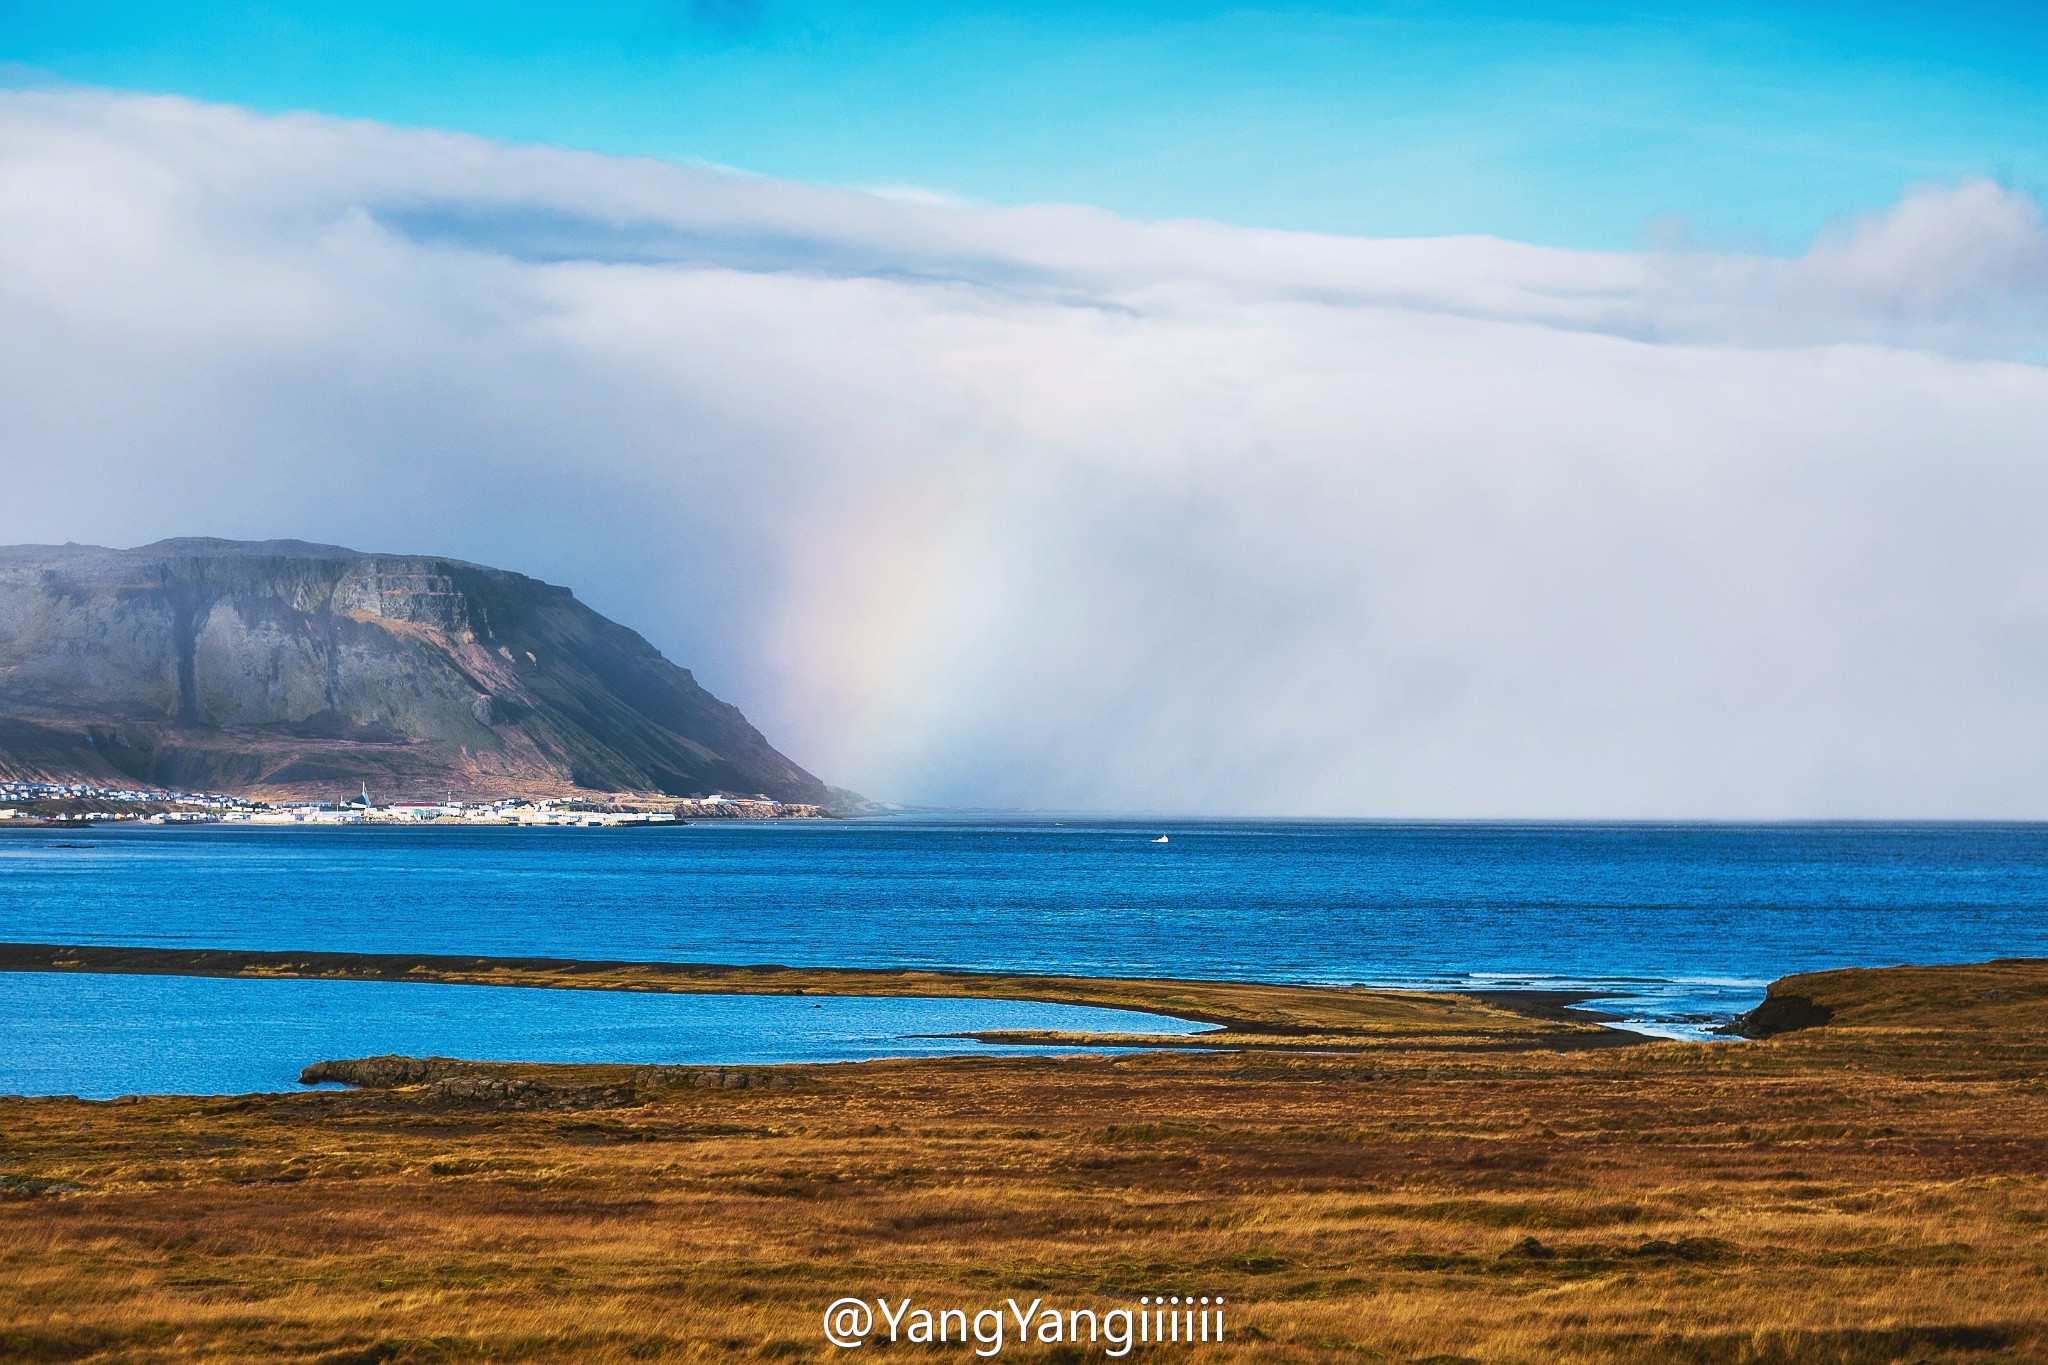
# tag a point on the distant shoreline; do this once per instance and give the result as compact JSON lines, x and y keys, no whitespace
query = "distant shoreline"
{"x":638,"y":813}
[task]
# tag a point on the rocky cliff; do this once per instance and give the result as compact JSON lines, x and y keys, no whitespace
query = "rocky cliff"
{"x":285,"y":669}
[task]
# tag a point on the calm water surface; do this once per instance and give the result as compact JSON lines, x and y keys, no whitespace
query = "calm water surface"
{"x":1675,"y":925}
{"x":103,"y":1035}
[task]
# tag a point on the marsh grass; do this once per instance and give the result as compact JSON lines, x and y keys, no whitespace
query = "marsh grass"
{"x":1843,"y":1196}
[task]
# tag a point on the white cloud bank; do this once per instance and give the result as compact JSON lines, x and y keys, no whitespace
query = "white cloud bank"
{"x":1045,"y":507}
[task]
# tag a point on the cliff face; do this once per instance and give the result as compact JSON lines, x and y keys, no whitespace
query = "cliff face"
{"x":285,"y":669}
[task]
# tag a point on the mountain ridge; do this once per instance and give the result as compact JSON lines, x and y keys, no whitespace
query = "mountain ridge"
{"x":285,"y":668}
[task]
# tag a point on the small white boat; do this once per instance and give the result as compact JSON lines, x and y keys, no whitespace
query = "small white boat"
{"x":1161,"y":839}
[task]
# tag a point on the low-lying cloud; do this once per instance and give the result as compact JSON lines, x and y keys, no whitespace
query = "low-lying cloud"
{"x":1044,"y":507}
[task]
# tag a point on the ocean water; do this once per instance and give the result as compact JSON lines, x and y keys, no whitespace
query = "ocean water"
{"x":98,"y":1036}
{"x":1674,"y":927}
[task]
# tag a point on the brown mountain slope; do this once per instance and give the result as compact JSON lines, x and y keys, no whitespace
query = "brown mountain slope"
{"x":280,"y":668}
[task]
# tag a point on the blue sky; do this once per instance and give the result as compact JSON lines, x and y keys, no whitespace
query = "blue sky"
{"x":1742,"y":124}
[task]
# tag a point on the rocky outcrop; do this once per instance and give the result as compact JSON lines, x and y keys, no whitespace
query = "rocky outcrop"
{"x":731,"y":1080}
{"x":1780,"y":1013}
{"x":380,"y":1073}
{"x":279,"y":668}
{"x":442,"y":1082}
{"x":449,"y":1083}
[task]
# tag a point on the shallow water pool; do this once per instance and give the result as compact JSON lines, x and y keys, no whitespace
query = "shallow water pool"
{"x":99,"y":1035}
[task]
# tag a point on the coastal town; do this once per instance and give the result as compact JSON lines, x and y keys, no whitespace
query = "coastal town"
{"x":42,"y":803}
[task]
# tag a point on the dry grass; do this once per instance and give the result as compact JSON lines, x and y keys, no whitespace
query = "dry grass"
{"x":1842,"y":1195}
{"x":2007,"y":995}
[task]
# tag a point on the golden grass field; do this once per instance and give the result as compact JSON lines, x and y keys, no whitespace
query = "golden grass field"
{"x":1365,"y":1176}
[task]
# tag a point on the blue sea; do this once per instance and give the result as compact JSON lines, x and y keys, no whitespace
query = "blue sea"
{"x":1673,"y":927}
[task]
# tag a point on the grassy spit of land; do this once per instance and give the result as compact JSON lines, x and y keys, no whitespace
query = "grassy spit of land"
{"x":1870,"y":1189}
{"x":1241,"y":1010}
